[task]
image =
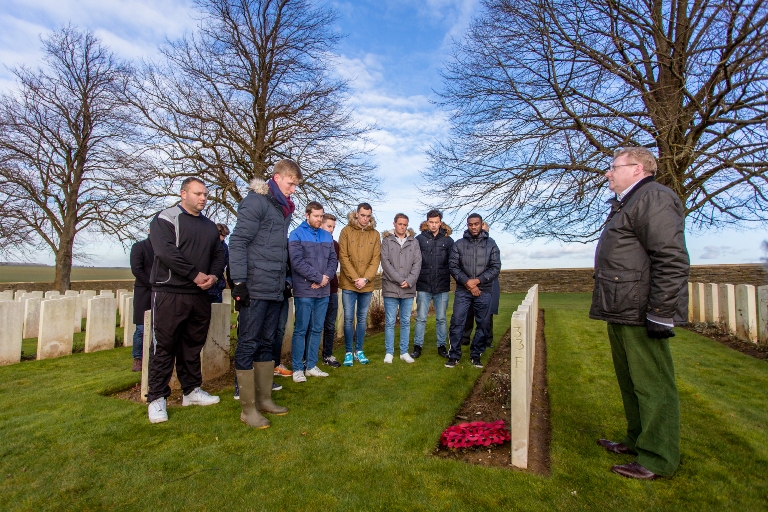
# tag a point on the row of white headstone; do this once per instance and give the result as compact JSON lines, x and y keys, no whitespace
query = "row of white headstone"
{"x":738,"y":308}
{"x":523,"y":355}
{"x":53,"y":318}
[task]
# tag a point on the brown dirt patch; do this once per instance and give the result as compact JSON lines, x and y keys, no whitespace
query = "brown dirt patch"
{"x":213,"y":386}
{"x":720,"y":335}
{"x":490,"y":401}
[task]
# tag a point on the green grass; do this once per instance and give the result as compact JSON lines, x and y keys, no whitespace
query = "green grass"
{"x":362,"y":438}
{"x":32,"y":274}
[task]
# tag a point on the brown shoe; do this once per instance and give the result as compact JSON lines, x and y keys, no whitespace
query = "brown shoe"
{"x":136,"y":365}
{"x":619,"y":448}
{"x":633,"y":470}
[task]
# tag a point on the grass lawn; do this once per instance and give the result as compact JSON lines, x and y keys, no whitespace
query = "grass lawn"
{"x":28,"y":274}
{"x":362,"y":438}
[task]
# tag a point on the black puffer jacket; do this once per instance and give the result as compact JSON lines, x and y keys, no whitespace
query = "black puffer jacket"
{"x":435,"y":275}
{"x":641,"y":262}
{"x":258,"y":246}
{"x":475,"y":258}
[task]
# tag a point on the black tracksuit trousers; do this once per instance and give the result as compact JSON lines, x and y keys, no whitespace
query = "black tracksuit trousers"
{"x":180,"y":327}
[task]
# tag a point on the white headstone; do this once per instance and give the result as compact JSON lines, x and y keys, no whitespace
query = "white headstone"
{"x":129,"y":327}
{"x":77,"y":319}
{"x":711,"y":305}
{"x":86,"y":294}
{"x":31,"y":316}
{"x":11,"y":331}
{"x":339,"y":318}
{"x":106,"y":293}
{"x":746,"y":313}
{"x":124,"y":298}
{"x":690,"y":302}
{"x":32,"y":295}
{"x":698,"y":295}
{"x":214,"y":359}
{"x":762,"y":314}
{"x":286,"y":351}
{"x":726,"y":301}
{"x":100,"y":325}
{"x":18,"y":293}
{"x":145,"y":355}
{"x":226,"y":296}
{"x":52,"y":293}
{"x":6,"y":295}
{"x":55,"y":330}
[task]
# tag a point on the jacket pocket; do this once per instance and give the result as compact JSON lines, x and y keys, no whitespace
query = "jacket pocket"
{"x":619,"y":292}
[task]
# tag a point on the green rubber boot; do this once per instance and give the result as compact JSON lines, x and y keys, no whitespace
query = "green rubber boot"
{"x":250,"y":414}
{"x":263,"y":374}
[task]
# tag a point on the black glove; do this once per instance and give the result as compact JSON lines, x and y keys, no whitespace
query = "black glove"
{"x":658,"y":331}
{"x":240,"y":294}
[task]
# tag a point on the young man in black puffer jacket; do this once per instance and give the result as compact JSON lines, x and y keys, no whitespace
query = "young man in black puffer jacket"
{"x":474,"y":264}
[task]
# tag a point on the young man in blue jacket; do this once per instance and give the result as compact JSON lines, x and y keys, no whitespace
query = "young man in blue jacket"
{"x":313,"y":265}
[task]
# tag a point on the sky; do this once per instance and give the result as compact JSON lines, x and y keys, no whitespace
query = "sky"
{"x":392,"y":55}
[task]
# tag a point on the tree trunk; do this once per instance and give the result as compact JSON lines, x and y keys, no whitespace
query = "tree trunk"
{"x":64,"y":259}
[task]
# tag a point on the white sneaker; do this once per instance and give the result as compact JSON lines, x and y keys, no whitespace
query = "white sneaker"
{"x":316,"y":372}
{"x":298,"y":376}
{"x":199,"y":397}
{"x":388,"y":358}
{"x":407,"y":358}
{"x":156,"y":411}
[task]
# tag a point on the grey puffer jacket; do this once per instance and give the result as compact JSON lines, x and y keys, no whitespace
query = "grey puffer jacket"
{"x":258,"y":246}
{"x":641,"y":262}
{"x":475,"y":258}
{"x":398,"y":264}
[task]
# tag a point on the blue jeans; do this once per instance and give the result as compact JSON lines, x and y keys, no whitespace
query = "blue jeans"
{"x":277,"y":343}
{"x":256,"y":332}
{"x":307,"y":308}
{"x":138,"y":341}
{"x":390,"y":316}
{"x":463,"y":301}
{"x":348,"y":301}
{"x":422,"y":310}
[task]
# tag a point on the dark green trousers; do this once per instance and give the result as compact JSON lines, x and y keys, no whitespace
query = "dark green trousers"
{"x":647,"y":381}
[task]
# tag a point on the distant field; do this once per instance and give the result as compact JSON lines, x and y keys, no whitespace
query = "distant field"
{"x":13,"y":273}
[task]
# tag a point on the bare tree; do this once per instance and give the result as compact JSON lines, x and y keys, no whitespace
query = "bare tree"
{"x":254,"y":85}
{"x":67,"y":163}
{"x":542,"y":91}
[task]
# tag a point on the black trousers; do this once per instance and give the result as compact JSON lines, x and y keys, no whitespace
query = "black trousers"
{"x":179,"y":329}
{"x":470,"y":324}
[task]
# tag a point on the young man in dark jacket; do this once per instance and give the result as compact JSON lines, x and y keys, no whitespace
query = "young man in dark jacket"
{"x":142,"y":258}
{"x":641,"y":290}
{"x":474,"y":264}
{"x":313,"y":263}
{"x":434,"y":282}
{"x":258,"y":251}
{"x":188,"y":260}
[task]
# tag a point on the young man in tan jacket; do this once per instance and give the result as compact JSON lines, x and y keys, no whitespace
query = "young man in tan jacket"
{"x":359,"y":256}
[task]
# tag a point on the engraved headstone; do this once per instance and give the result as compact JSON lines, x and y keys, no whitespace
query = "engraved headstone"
{"x":77,"y":319}
{"x":100,"y":325}
{"x":726,"y":301}
{"x":31,"y":316}
{"x":762,"y":314}
{"x":55,"y":330}
{"x":711,"y":305}
{"x":690,"y":302}
{"x":129,"y":328}
{"x":746,"y":313}
{"x":6,"y":295}
{"x":124,"y":299}
{"x":86,"y":294}
{"x":226,"y":296}
{"x":11,"y":331}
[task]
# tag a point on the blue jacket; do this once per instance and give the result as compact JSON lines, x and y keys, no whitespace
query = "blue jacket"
{"x":312,"y":256}
{"x":258,"y":250}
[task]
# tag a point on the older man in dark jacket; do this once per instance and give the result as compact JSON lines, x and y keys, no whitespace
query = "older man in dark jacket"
{"x":474,"y":264}
{"x":641,"y":290}
{"x":434,"y":282}
{"x":258,"y":251}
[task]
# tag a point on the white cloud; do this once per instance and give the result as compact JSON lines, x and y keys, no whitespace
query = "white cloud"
{"x":713,"y":252}
{"x":565,"y":251}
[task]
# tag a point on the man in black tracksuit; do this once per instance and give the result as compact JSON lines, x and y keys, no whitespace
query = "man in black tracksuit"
{"x":474,"y":264}
{"x":189,"y":259}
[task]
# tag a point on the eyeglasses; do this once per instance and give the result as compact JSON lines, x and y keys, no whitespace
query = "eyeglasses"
{"x":613,"y":167}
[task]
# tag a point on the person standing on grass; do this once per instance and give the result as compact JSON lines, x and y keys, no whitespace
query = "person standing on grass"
{"x":313,"y":263}
{"x":474,"y":264}
{"x":258,"y":251}
{"x":215,"y":292}
{"x":329,"y":326}
{"x":641,"y":290}
{"x":189,"y":260}
{"x":359,"y":256}
{"x":434,"y":282}
{"x":495,"y":298}
{"x":142,"y":258}
{"x":401,"y":265}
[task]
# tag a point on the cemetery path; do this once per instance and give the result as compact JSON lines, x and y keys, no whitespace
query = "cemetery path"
{"x":490,"y":401}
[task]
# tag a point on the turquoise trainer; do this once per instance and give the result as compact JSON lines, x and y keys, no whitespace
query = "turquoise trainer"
{"x":348,"y":359}
{"x":361,"y":357}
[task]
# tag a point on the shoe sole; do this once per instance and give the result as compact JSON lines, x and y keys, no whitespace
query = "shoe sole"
{"x":196,"y":403}
{"x":158,"y":420}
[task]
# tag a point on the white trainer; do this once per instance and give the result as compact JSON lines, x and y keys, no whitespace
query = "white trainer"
{"x":199,"y":397}
{"x":316,"y":372}
{"x":298,"y":376}
{"x":156,"y":411}
{"x":407,"y":358}
{"x":388,"y":358}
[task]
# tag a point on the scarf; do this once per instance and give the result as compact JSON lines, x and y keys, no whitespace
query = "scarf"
{"x":282,"y":200}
